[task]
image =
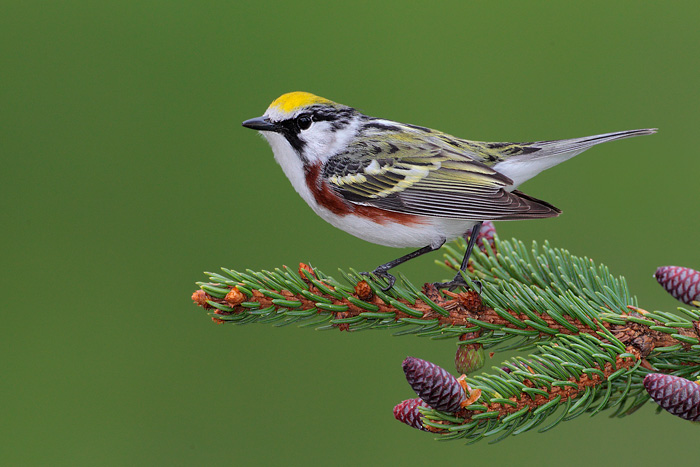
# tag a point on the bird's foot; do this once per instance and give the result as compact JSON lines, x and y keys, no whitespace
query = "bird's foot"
{"x":457,"y":282}
{"x":383,"y":274}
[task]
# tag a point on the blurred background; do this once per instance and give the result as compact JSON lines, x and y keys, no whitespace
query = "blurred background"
{"x":126,"y":173}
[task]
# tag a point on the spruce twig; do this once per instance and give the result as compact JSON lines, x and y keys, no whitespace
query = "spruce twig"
{"x":593,"y":345}
{"x":243,"y":298}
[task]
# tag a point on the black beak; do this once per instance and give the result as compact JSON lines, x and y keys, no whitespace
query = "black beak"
{"x":261,"y":124}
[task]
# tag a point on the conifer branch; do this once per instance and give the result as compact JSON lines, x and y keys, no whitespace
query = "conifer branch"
{"x":593,"y":345}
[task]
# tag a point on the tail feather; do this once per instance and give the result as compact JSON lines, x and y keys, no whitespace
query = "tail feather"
{"x":545,"y":154}
{"x":552,"y":148}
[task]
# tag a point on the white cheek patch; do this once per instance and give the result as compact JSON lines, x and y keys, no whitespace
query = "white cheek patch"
{"x":319,"y":141}
{"x":323,"y":141}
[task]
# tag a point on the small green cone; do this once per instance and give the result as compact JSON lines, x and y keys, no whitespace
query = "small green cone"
{"x":469,"y":358}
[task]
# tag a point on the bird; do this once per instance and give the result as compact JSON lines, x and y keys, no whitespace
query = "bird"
{"x":402,"y":185}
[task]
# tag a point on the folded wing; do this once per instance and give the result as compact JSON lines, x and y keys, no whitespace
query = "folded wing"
{"x":429,"y":181}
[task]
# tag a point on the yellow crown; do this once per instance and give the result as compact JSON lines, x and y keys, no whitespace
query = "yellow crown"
{"x":291,"y":101}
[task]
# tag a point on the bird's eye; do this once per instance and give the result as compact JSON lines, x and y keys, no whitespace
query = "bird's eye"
{"x":304,"y":121}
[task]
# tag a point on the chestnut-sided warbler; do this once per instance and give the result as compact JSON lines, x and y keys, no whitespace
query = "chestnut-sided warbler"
{"x":404,"y":185}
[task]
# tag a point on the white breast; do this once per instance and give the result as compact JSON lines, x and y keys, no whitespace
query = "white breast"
{"x":291,"y":164}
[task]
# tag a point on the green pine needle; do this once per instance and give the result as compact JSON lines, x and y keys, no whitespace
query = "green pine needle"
{"x":561,"y":307}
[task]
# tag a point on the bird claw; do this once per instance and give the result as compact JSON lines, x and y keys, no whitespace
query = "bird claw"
{"x":457,"y":282}
{"x":391,"y":280}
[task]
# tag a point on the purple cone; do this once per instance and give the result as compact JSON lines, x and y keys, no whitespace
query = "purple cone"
{"x":682,"y":283}
{"x":407,"y":412}
{"x":677,"y":395}
{"x":438,"y":388}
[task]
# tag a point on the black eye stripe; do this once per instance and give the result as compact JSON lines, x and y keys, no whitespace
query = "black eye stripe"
{"x":289,"y":129}
{"x":338,"y":118}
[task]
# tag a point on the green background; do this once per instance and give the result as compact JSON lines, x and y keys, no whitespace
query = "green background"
{"x":125,"y":174}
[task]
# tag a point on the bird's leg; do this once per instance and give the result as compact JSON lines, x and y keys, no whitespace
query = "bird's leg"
{"x":381,"y":270}
{"x":458,"y":281}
